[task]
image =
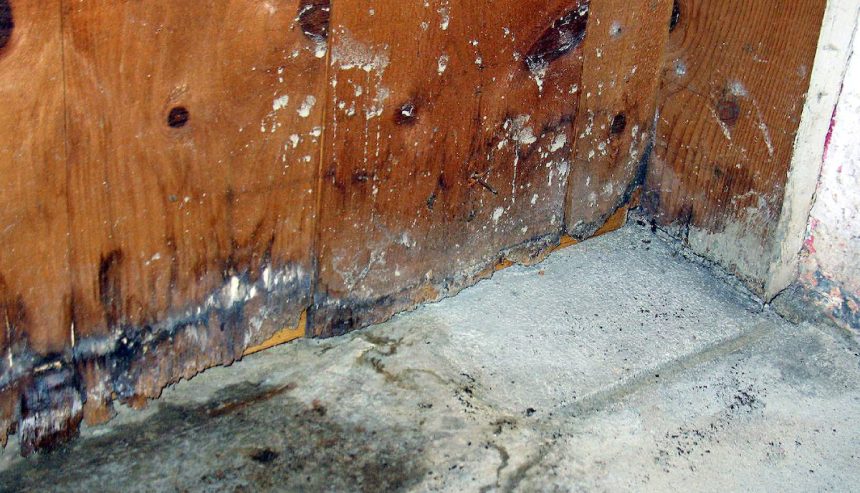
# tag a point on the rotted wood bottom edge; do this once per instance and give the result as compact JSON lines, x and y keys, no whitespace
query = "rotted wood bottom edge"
{"x":46,"y":403}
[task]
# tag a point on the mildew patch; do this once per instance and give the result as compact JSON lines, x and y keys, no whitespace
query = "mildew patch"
{"x":442,"y":64}
{"x":349,"y":53}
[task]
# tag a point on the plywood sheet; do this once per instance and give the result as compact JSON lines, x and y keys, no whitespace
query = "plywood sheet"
{"x":450,"y":125}
{"x":623,"y":53}
{"x":193,"y":147}
{"x":35,"y":309}
{"x":734,"y":81}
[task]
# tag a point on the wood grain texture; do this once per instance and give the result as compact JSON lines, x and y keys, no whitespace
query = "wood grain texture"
{"x":193,"y":136}
{"x":35,"y":316}
{"x":448,"y":142}
{"x":731,"y":96}
{"x":623,"y":53}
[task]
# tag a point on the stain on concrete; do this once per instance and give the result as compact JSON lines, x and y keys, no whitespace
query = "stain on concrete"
{"x":238,"y":441}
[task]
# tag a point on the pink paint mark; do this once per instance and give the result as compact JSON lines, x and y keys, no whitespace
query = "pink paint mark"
{"x":829,"y":137}
{"x":809,"y":242}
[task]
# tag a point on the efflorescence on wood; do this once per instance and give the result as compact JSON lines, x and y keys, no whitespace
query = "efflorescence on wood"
{"x":499,"y":192}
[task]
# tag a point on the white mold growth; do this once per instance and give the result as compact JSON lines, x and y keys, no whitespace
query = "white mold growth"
{"x":304,"y":110}
{"x":442,"y":64}
{"x":280,"y":102}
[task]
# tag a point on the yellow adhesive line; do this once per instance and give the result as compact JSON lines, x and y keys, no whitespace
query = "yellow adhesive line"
{"x":284,"y":336}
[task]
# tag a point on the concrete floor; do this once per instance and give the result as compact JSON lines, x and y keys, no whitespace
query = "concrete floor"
{"x":614,"y":365}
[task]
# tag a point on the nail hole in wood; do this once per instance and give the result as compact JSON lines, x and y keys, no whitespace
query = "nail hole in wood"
{"x":178,"y":117}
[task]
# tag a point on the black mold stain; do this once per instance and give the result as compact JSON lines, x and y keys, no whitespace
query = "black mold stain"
{"x":676,"y":16}
{"x":178,"y":117}
{"x":110,"y":286}
{"x":7,"y":23}
{"x":314,"y":17}
{"x":728,"y":111}
{"x":563,"y":37}
{"x":406,"y":114}
{"x":264,"y":456}
{"x":13,"y":311}
{"x":619,"y":123}
{"x":55,"y":392}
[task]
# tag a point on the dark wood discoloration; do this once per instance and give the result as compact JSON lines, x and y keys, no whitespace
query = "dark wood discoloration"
{"x":728,"y":110}
{"x":481,"y":167}
{"x":178,"y":117}
{"x":35,"y":301}
{"x":619,"y":124}
{"x":314,"y":17}
{"x":564,"y":36}
{"x":51,"y":409}
{"x":676,"y":15}
{"x":352,"y":162}
{"x":7,"y":23}
{"x":110,"y":286}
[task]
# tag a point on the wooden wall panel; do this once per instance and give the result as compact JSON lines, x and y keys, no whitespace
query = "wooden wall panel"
{"x":448,"y":142}
{"x":183,"y":179}
{"x":734,"y":81}
{"x":193,"y":136}
{"x":35,"y":315}
{"x":623,"y":53}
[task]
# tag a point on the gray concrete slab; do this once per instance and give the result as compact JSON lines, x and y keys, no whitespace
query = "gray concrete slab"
{"x":614,"y":365}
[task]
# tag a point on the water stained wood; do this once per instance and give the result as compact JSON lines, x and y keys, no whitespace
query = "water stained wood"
{"x":730,"y":105}
{"x":314,"y":17}
{"x":565,"y":34}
